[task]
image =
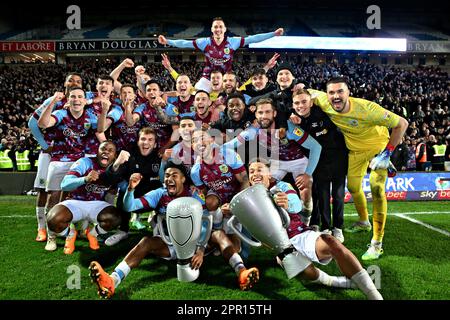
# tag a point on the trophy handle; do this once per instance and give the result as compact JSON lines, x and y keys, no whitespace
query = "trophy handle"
{"x":164,"y":237}
{"x":284,"y":215}
{"x":240,"y":235}
{"x":208,"y":219}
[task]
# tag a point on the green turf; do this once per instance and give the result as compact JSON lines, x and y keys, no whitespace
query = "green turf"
{"x":416,"y":263}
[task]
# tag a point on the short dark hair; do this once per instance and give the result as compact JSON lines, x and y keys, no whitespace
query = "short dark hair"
{"x":258,"y":72}
{"x":187,"y":118}
{"x":180,"y":166}
{"x":337,"y":80}
{"x":105,"y":77}
{"x":127,"y":85}
{"x":76,"y":88}
{"x":237,"y":95}
{"x":73,"y":74}
{"x":199,"y":91}
{"x":218,"y":19}
{"x":149,"y":82}
{"x":265,"y":101}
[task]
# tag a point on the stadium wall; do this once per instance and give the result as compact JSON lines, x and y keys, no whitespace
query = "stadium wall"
{"x":16,"y":183}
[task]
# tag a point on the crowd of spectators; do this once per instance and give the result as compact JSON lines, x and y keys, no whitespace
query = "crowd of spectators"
{"x":420,"y":94}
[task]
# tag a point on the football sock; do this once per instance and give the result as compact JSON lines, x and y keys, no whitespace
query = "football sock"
{"x":120,"y":273}
{"x":365,"y":284}
{"x":40,"y":215}
{"x":333,"y":281}
{"x":97,"y":230}
{"x":236,"y":263}
{"x":72,"y":230}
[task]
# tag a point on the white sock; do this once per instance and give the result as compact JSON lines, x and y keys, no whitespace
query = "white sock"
{"x":120,"y":273}
{"x":236,"y":263}
{"x":64,"y":233}
{"x":95,"y":231}
{"x":40,"y":215}
{"x":135,"y":217}
{"x":376,"y":243}
{"x":365,"y":284}
{"x":333,"y":281}
{"x":71,"y":231}
{"x":217,"y":216}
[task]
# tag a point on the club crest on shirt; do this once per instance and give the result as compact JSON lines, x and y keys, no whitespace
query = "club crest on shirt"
{"x":353,"y":122}
{"x":223,"y":168}
{"x":87,"y":125}
{"x":298,"y":132}
{"x":226,"y":50}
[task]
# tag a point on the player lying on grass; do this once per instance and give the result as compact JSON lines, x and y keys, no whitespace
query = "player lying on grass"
{"x":317,"y":247}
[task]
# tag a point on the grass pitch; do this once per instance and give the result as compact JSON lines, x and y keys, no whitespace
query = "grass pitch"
{"x":415,"y":265}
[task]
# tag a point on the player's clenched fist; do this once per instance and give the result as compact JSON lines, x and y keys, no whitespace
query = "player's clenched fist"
{"x":134,"y":181}
{"x":92,"y":176}
{"x":281,"y":199}
{"x":162,"y":40}
{"x":128,"y":63}
{"x":58,"y":96}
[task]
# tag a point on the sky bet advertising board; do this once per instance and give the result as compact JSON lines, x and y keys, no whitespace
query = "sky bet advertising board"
{"x":412,"y":186}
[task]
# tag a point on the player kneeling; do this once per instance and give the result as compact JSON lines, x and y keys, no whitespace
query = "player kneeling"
{"x":87,"y":199}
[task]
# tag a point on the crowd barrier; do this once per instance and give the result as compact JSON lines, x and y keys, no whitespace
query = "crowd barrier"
{"x":412,"y":186}
{"x":404,"y":186}
{"x":14,"y":183}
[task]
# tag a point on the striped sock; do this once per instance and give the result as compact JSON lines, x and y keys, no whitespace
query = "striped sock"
{"x":120,"y":273}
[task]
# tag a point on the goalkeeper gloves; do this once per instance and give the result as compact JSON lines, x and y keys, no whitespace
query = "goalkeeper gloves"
{"x":381,"y":160}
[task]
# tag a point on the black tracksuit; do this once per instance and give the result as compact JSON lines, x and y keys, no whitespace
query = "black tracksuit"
{"x":331,"y":169}
{"x":148,"y":167}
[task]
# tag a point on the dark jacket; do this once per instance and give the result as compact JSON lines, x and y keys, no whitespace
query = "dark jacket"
{"x":147,"y":166}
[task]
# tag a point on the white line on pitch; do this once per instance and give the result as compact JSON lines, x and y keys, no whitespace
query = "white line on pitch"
{"x":426,"y":225}
{"x":346,"y":215}
{"x":406,"y":213}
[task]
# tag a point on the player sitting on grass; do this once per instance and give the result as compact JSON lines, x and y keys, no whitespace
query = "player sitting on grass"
{"x":317,"y":247}
{"x":175,"y":187}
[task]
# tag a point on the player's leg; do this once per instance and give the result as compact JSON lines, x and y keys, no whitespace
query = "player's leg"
{"x":56,"y":172}
{"x":107,"y":284}
{"x":328,"y":246}
{"x":246,"y":277}
{"x":338,"y":194}
{"x":357,"y":168}
{"x":377,"y":182}
{"x":105,"y":217}
{"x":40,"y":184}
{"x":298,"y":167}
{"x":58,"y":221}
{"x":305,"y":244}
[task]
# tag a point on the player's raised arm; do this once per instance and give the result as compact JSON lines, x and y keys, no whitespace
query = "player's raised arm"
{"x":127,"y":63}
{"x":263,"y":36}
{"x":46,"y":120}
{"x":180,"y":43}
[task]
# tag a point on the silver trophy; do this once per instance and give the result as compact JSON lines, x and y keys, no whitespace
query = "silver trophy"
{"x":256,"y":211}
{"x":184,"y":219}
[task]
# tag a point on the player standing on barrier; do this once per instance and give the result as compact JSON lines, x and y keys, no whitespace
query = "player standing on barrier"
{"x":218,"y":49}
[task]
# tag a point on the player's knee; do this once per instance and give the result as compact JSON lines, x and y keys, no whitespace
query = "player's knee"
{"x":336,"y":248}
{"x":377,"y":191}
{"x":354,"y":187}
{"x":212,"y":203}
